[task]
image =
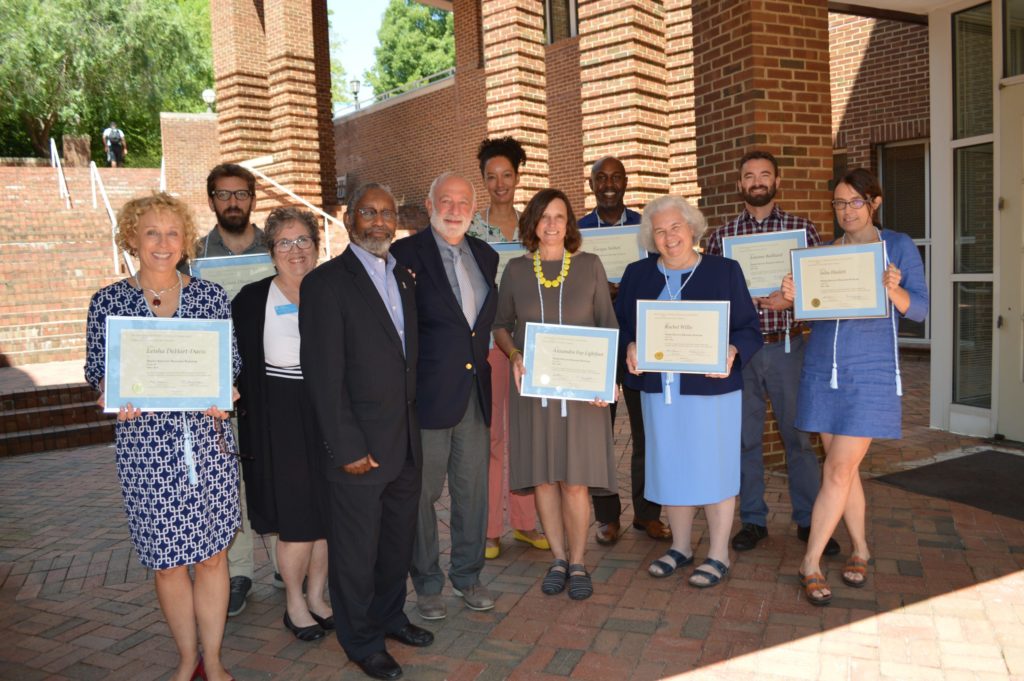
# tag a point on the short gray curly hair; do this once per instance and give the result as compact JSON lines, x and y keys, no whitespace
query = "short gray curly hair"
{"x":694,"y":219}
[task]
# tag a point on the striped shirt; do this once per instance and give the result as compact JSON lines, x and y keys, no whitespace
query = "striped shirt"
{"x":778,"y":220}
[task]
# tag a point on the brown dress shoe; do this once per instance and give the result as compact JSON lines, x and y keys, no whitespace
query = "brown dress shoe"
{"x":608,"y":533}
{"x":655,"y":529}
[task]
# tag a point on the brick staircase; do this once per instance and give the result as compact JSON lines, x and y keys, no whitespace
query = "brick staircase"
{"x":54,"y":417}
{"x":55,"y":258}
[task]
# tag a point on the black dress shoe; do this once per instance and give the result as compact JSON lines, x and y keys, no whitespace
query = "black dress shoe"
{"x":380,"y":665}
{"x":313,"y":632}
{"x":411,"y":635}
{"x":803,"y":533}
{"x":748,"y":536}
{"x":326,"y":623}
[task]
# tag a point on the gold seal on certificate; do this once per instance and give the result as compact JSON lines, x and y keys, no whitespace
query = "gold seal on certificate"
{"x":764,"y":258}
{"x":840,"y":282}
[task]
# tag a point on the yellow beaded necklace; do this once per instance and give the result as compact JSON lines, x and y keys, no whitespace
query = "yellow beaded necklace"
{"x":551,"y":283}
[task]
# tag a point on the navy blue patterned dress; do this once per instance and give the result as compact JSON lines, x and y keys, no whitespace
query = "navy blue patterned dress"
{"x":172,"y":522}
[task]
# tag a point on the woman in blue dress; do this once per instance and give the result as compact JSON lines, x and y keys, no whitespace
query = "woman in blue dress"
{"x":692,"y":421}
{"x":178,"y":471}
{"x":850,"y":384}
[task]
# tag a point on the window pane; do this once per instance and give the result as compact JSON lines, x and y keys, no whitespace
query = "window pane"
{"x":972,"y":360}
{"x":903,"y":178}
{"x":912,"y":329}
{"x":1013,"y":38}
{"x":972,"y":205}
{"x":559,"y":20}
{"x":972,"y":71}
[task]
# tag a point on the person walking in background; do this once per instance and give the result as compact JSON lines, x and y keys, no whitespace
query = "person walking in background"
{"x":850,"y":385}
{"x":693,"y":458}
{"x":115,"y":145}
{"x":455,"y":303}
{"x":500,"y":160}
{"x":775,"y":370}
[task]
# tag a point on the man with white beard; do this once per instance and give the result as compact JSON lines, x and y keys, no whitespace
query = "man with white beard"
{"x":456,"y":300}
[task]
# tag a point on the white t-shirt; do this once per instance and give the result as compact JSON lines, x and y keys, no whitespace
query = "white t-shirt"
{"x":281,"y":335}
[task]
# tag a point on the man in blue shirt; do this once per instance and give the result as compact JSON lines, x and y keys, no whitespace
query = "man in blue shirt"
{"x":608,"y":181}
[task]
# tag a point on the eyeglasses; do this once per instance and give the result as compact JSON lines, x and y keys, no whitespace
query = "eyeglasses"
{"x":225,"y":195}
{"x":371,"y":213}
{"x":856,"y":204}
{"x":284,"y":245}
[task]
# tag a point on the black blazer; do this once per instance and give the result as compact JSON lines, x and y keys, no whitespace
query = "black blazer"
{"x":453,"y":357}
{"x":362,"y":387}
{"x":716,"y":278}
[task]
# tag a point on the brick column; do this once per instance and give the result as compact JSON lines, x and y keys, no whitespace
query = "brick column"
{"x":513,"y":32}
{"x":240,"y":68}
{"x":291,"y":75}
{"x":762,"y":80}
{"x":624,"y":94}
{"x":682,"y":162}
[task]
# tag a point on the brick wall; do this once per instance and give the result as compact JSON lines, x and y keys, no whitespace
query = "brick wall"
{"x":189,"y":146}
{"x":565,"y":122}
{"x":879,"y":77}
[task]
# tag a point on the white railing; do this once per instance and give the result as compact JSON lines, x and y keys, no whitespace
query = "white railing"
{"x":96,"y":182}
{"x":62,"y":182}
{"x":163,"y":175}
{"x":411,"y":86}
{"x":266,"y":160}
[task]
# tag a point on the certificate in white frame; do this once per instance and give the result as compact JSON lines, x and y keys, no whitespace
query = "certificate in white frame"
{"x":233,"y":271}
{"x":617,"y":247}
{"x":167,"y":364}
{"x":764,"y":258}
{"x":682,"y":336}
{"x":570,"y":362}
{"x":842,"y":281}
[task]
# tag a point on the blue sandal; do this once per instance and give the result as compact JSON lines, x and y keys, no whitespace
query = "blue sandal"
{"x":711,"y":577}
{"x":661,"y":568}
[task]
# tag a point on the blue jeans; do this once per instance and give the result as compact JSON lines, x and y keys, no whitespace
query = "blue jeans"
{"x":774,"y":372}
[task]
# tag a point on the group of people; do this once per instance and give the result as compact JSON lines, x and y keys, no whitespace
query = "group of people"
{"x":369,"y":381}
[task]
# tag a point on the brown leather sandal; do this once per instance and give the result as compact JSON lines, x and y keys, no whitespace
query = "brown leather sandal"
{"x":857,"y":566}
{"x":815,"y":582}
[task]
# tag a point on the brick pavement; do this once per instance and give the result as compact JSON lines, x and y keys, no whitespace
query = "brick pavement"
{"x":945,"y":599}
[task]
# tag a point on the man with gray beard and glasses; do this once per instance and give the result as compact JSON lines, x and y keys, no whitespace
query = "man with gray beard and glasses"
{"x":359,"y":349}
{"x":456,"y":300}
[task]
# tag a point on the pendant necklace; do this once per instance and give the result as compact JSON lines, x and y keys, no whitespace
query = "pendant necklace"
{"x":156,"y":294}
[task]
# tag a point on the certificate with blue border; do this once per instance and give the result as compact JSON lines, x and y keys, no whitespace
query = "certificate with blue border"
{"x":682,"y":336}
{"x":506,"y":252}
{"x":233,"y":271}
{"x":840,"y":282}
{"x":617,"y":247}
{"x":764,"y":258}
{"x":159,"y":364}
{"x":570,"y":362}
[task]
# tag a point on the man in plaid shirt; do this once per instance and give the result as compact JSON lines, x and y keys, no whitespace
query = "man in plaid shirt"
{"x":774,"y":370}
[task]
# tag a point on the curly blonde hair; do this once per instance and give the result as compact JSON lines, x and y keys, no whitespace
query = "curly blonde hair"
{"x":130,"y":214}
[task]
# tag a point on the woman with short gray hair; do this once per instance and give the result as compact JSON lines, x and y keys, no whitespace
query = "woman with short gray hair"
{"x":692,"y":421}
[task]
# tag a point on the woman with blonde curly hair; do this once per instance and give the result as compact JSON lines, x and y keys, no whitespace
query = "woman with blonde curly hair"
{"x":178,"y":474}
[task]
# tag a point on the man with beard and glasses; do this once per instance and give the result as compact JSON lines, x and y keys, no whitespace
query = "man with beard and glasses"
{"x":231,"y":193}
{"x":774,"y":370}
{"x":456,"y":300}
{"x":358,"y":353}
{"x":608,"y":181}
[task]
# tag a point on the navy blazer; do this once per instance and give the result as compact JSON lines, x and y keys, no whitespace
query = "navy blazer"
{"x":716,"y":278}
{"x":361,"y":383}
{"x":453,"y":356}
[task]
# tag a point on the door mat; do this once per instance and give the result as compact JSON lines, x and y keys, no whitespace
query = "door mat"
{"x":990,"y":480}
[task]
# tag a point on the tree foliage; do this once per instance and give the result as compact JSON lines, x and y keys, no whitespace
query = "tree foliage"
{"x":72,"y":66}
{"x":415,"y":41}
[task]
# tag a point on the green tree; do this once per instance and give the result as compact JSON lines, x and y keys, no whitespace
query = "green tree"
{"x":72,"y":66}
{"x":415,"y":41}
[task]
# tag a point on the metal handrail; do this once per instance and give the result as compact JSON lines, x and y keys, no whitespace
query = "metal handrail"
{"x":96,"y":181}
{"x":412,"y":85}
{"x":163,"y":175}
{"x":326,"y":216}
{"x":62,"y":182}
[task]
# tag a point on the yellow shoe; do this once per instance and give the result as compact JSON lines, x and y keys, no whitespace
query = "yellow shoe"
{"x":492,"y":551}
{"x":538,"y":543}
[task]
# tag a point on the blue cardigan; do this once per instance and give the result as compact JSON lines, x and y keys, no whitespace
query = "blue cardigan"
{"x":716,"y":278}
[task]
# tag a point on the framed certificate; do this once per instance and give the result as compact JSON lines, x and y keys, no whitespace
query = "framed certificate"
{"x":570,"y":362}
{"x":840,"y":282}
{"x":233,"y":271}
{"x":507,"y":251}
{"x":682,"y":336}
{"x":616,"y":246}
{"x":168,"y":364}
{"x":764,"y":258}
